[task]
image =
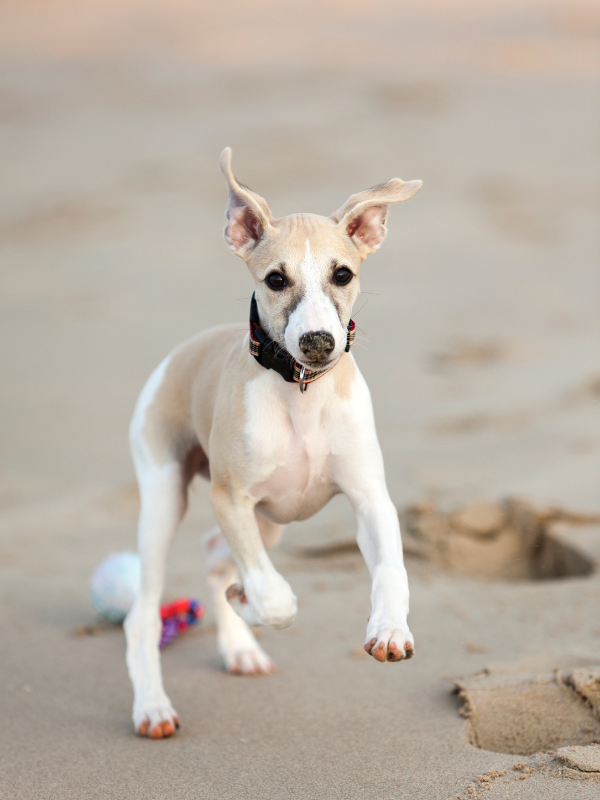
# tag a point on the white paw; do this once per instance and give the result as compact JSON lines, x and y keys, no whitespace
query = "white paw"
{"x":237,"y":644}
{"x":389,"y":642}
{"x":239,"y":602}
{"x":249,"y":661}
{"x":264,"y":600}
{"x":155,"y":720}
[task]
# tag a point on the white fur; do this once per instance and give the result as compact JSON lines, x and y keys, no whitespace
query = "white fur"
{"x":315,"y":312}
{"x":137,"y":444}
{"x":301,"y":449}
{"x":304,"y":449}
{"x":163,"y":504}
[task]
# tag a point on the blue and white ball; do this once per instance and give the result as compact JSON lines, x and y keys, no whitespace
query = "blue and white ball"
{"x":115,"y":583}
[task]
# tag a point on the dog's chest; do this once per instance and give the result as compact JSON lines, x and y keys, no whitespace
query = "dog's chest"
{"x":290,"y":445}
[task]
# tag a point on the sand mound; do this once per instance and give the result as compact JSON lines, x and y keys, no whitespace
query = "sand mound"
{"x":509,"y":540}
{"x":524,"y":712}
{"x":581,"y":759}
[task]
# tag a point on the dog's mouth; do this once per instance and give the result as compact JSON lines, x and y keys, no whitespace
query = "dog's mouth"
{"x":306,"y":362}
{"x":316,"y":365}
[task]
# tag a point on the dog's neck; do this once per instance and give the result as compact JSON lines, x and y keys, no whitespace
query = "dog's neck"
{"x":271,"y":355}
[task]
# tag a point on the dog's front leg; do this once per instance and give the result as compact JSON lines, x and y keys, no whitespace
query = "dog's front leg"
{"x":265,"y":598}
{"x":388,"y":636}
{"x":361,"y":478}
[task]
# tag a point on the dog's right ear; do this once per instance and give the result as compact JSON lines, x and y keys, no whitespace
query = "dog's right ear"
{"x":248,"y":215}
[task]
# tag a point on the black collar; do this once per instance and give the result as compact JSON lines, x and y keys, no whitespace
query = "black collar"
{"x":270,"y":355}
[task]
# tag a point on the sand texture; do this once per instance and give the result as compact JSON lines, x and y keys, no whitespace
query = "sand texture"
{"x":509,"y":540}
{"x":478,"y":334}
{"x":584,"y":760}
{"x":511,"y":711}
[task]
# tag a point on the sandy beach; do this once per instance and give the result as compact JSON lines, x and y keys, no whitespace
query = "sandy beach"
{"x":479,"y":336}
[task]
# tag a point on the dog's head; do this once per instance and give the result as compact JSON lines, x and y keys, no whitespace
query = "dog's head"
{"x":306,"y":267}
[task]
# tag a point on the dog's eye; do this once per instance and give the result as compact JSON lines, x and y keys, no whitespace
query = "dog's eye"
{"x":342,"y":276}
{"x":276,"y":280}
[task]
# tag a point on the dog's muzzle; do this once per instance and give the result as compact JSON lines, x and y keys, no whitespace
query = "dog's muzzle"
{"x":270,"y":355}
{"x":317,"y":345}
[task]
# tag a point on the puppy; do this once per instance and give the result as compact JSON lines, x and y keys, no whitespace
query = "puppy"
{"x":279,"y":420}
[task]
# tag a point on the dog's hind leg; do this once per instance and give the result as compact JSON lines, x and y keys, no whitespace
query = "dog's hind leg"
{"x":162,"y":492}
{"x":237,"y":644}
{"x":163,"y":482}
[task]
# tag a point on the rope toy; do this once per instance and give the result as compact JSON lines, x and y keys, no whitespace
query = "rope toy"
{"x":177,"y":617}
{"x":115,"y":584}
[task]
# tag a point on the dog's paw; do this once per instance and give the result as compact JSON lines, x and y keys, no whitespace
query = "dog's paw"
{"x":390,"y":643}
{"x":239,"y":602}
{"x":250,"y":661}
{"x":157,"y":721}
{"x":264,"y":600}
{"x":241,"y":652}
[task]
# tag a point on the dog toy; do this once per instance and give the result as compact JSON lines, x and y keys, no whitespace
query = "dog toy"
{"x":177,"y":617}
{"x":114,"y":585}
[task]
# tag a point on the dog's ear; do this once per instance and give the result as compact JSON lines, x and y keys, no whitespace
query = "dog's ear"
{"x":363,"y":216}
{"x":248,"y":215}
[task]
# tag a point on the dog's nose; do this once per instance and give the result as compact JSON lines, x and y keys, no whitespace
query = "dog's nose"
{"x":317,"y":345}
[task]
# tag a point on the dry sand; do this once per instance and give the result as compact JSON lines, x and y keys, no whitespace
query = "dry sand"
{"x":479,"y":338}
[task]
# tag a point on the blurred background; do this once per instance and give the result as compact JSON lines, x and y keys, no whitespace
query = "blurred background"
{"x":479,"y":322}
{"x":480,"y":331}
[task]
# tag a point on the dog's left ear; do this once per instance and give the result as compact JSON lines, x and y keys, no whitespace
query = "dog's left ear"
{"x":363,"y":216}
{"x":248,"y":215}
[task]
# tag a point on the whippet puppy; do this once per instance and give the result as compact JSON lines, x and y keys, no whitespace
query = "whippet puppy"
{"x":279,"y":420}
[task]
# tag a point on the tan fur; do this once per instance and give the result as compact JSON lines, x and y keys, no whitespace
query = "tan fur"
{"x":180,"y":416}
{"x":198,"y":412}
{"x":343,"y":377}
{"x":272,"y":453}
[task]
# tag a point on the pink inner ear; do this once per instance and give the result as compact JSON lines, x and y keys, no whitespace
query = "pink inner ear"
{"x":243,"y":227}
{"x":353,"y":227}
{"x":368,"y":227}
